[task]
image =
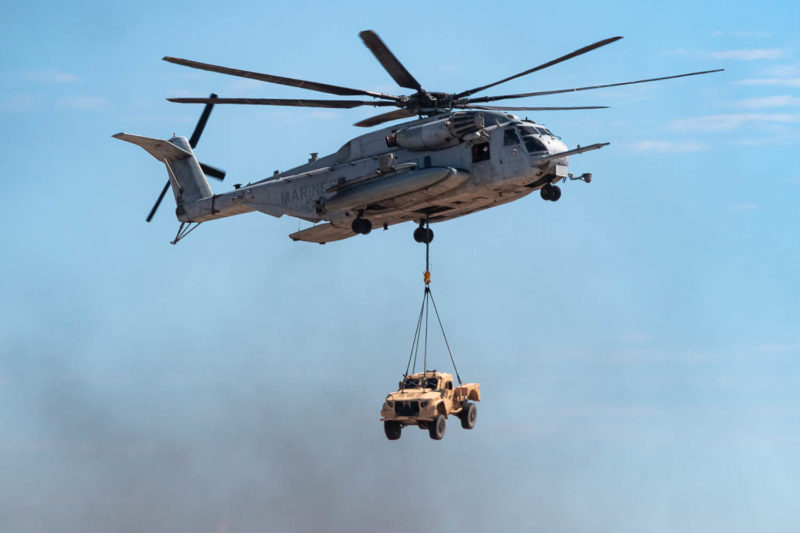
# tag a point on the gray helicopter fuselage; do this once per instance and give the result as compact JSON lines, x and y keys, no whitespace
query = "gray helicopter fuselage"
{"x":405,"y":172}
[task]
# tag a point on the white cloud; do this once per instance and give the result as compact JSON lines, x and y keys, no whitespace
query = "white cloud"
{"x":740,"y":34}
{"x":668,"y":147}
{"x":636,"y":337}
{"x":244,"y":84}
{"x":786,"y":82}
{"x":748,"y":55}
{"x":16,"y":103}
{"x":51,"y":76}
{"x":775,"y":140}
{"x":323,"y":114}
{"x":769,"y":101}
{"x":83,"y":103}
{"x":732,"y":121}
{"x":782,"y":71}
{"x":779,"y":347}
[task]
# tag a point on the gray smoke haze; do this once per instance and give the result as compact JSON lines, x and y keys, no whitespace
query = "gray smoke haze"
{"x":221,"y":404}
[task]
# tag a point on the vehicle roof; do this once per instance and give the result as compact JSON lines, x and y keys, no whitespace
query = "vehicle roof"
{"x":430,"y":374}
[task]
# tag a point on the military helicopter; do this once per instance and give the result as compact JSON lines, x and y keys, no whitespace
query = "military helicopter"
{"x":457,"y":157}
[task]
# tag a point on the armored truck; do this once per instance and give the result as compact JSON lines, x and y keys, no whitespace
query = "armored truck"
{"x":427,"y":399}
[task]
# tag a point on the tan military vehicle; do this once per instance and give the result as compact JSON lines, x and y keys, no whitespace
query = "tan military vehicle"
{"x":426,"y":399}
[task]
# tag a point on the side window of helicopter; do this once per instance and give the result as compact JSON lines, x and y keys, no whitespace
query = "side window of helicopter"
{"x":480,"y":152}
{"x":426,"y":162}
{"x":510,"y":137}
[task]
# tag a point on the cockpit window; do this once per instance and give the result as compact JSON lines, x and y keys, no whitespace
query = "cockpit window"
{"x":533,"y":144}
{"x":510,"y":137}
{"x":535,"y":130}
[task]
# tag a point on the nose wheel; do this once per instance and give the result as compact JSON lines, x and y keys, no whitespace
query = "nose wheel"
{"x":550,"y":192}
{"x":361,"y":225}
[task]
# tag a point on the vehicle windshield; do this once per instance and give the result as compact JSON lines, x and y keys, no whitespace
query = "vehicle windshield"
{"x":416,"y":383}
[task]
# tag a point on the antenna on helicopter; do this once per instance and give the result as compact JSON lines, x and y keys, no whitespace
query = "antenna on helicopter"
{"x":208,"y":170}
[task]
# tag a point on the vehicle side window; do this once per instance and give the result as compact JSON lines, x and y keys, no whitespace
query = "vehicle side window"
{"x":510,"y":137}
{"x":449,"y":385}
{"x":480,"y":152}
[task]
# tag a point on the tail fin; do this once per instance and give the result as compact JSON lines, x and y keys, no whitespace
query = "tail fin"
{"x":185,"y":174}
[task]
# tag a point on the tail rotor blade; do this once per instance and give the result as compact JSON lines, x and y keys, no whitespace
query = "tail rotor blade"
{"x":201,"y":124}
{"x":158,"y":202}
{"x":212,"y":172}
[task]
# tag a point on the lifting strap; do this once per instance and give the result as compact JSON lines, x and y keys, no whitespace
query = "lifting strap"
{"x":427,"y":299}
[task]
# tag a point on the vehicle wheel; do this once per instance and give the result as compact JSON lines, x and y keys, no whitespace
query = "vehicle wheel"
{"x":555,"y":194}
{"x":356,"y":225}
{"x":468,"y":415}
{"x":437,"y":427}
{"x":392,"y":429}
{"x":546,"y":192}
{"x":419,"y":235}
{"x":428,"y":236}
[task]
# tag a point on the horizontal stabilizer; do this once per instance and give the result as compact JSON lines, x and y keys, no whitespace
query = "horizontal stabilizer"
{"x":568,"y":153}
{"x":158,"y":148}
{"x":323,"y":233}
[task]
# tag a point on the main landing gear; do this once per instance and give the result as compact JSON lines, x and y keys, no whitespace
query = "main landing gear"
{"x":361,"y":225}
{"x":550,"y":192}
{"x":423,"y":233}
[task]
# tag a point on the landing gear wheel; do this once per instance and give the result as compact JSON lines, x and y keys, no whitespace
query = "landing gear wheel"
{"x":361,"y":225}
{"x":424,"y":235}
{"x":437,"y":427}
{"x":393,"y":429}
{"x":546,"y":192}
{"x":555,"y":194}
{"x":468,"y":415}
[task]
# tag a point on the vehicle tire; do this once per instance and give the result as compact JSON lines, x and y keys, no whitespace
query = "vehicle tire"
{"x":366,"y":226}
{"x":468,"y":415}
{"x":356,"y":225}
{"x":546,"y":192}
{"x":428,"y":236}
{"x":393,"y":429}
{"x":555,"y":193}
{"x":419,"y":235}
{"x":437,"y":427}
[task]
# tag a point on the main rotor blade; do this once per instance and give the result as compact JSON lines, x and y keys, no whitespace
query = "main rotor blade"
{"x":386,"y":117}
{"x":392,"y":65}
{"x":559,"y":91}
{"x":515,"y":108}
{"x":158,"y":202}
{"x":201,"y":124}
{"x":338,"y":104}
{"x":280,"y":80}
{"x":576,"y":53}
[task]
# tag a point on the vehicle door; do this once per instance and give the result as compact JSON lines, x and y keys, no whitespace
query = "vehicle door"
{"x":447,"y":388}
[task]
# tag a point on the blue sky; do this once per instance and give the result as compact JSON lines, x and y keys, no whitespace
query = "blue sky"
{"x":637,"y":342}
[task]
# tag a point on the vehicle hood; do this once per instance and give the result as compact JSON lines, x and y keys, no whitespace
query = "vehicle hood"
{"x":414,"y":394}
